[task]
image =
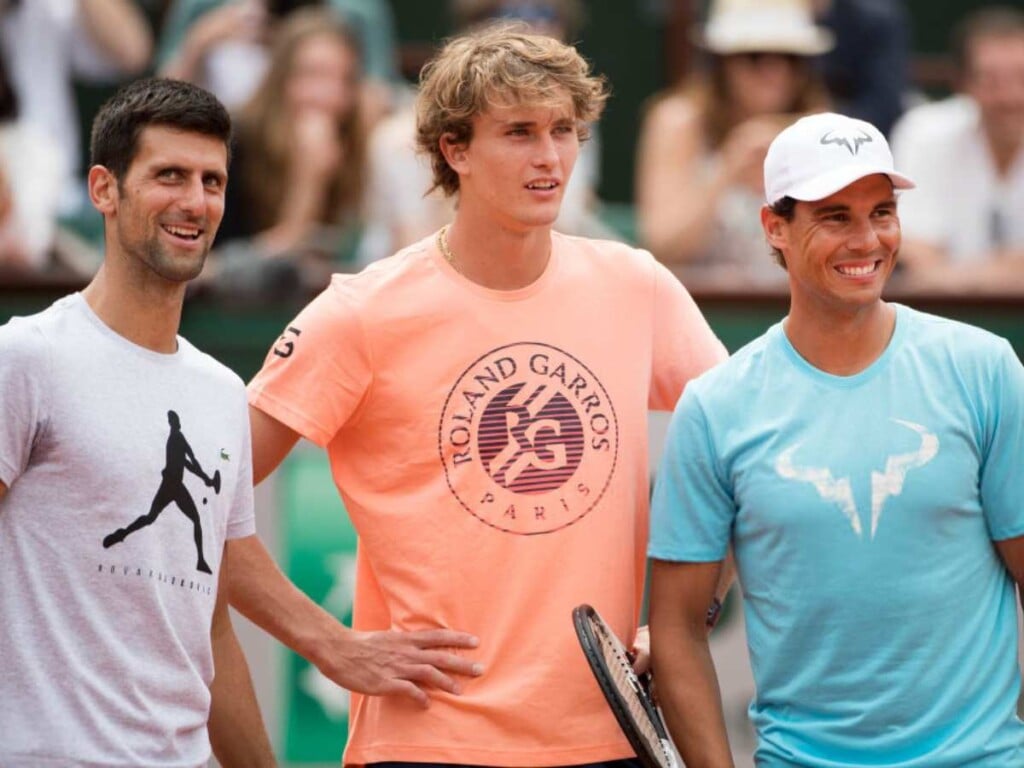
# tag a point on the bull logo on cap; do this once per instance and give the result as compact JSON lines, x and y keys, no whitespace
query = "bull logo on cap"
{"x":851,"y":142}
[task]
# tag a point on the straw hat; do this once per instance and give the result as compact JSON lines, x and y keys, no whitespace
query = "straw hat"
{"x":767,"y":26}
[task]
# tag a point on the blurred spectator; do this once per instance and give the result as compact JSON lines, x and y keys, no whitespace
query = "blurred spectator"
{"x":866,"y":72}
{"x":965,"y":224}
{"x":399,"y":209}
{"x":48,"y":43}
{"x":703,"y":142}
{"x":297,"y":173}
{"x":29,"y":187}
{"x":222,"y":45}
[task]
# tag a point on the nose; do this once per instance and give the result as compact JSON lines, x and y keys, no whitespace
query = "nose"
{"x":547,"y":153}
{"x":863,"y":238}
{"x":193,"y":197}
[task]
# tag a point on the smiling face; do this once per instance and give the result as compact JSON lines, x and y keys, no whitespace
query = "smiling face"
{"x":515,"y":167}
{"x":839,"y":251}
{"x":162,"y":216}
{"x":324,"y":77}
{"x":995,"y":80}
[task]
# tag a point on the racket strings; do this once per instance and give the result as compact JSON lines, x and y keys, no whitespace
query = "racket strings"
{"x":628,"y":685}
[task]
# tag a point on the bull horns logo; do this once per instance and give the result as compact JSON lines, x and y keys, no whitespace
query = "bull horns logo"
{"x":851,"y":141}
{"x":884,"y":484}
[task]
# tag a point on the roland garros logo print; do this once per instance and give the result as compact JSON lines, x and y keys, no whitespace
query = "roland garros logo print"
{"x":528,"y":439}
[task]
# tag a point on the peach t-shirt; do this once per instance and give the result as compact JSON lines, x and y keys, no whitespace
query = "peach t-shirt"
{"x":491,"y":450}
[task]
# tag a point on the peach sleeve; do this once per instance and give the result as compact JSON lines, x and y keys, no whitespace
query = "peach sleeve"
{"x":684,"y":344}
{"x":319,"y":371}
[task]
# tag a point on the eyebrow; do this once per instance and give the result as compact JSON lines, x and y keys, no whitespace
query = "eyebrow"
{"x":825,"y":210}
{"x":531,"y":123}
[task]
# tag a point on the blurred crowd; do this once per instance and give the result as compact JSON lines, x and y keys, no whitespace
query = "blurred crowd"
{"x":324,"y":176}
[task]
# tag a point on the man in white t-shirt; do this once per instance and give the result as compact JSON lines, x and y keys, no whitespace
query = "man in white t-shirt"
{"x":964,"y":226}
{"x":109,"y":643}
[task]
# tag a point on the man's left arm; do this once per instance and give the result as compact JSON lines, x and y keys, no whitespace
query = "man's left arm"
{"x":1012,"y":553}
{"x":119,"y":31}
{"x":237,"y":733}
{"x":1001,"y":482}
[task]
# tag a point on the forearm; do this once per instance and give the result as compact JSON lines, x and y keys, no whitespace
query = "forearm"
{"x":237,"y":734}
{"x":263,"y":594}
{"x":187,"y":63}
{"x":684,"y":672}
{"x":119,"y":30}
{"x":677,"y":228}
{"x":690,"y":700}
{"x":299,"y":216}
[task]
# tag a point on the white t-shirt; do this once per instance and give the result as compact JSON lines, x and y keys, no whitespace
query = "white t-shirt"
{"x":961,"y":203}
{"x":106,"y":653}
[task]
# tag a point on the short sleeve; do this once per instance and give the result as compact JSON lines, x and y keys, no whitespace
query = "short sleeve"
{"x":684,"y":344}
{"x":692,"y":510}
{"x":1002,"y":481}
{"x":24,"y":371}
{"x":318,"y":372}
{"x":242,"y":516}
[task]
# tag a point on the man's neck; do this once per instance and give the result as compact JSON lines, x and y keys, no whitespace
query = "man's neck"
{"x":497,"y":257}
{"x":838,"y":343}
{"x":140,"y":313}
{"x":1004,"y":151}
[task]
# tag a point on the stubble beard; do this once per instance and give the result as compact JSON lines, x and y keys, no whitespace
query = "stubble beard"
{"x":158,"y":259}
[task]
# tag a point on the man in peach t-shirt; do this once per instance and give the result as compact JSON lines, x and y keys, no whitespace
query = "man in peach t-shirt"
{"x":483,"y":398}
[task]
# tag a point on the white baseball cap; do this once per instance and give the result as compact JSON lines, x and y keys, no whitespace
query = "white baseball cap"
{"x":820,"y":154}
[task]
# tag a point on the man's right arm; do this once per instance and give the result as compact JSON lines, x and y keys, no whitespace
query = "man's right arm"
{"x":376,"y":663}
{"x":687,"y":687}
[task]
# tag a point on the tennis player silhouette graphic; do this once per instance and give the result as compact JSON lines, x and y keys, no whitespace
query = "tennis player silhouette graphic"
{"x":172,"y":489}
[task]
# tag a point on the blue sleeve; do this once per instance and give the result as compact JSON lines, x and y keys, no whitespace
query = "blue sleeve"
{"x":692,"y":510}
{"x":1002,"y":468}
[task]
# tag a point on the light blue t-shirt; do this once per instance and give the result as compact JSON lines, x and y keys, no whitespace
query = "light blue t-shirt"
{"x":881,"y":622}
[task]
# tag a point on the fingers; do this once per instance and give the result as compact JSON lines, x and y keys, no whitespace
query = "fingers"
{"x":442,"y":638}
{"x":409,"y":690}
{"x":427,"y":675}
{"x":641,"y":651}
{"x":453,"y":663}
{"x":642,"y":663}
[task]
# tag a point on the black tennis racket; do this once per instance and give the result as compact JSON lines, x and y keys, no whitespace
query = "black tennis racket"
{"x":628,"y":695}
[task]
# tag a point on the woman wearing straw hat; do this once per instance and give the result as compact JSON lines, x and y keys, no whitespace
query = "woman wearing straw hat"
{"x":703,"y":141}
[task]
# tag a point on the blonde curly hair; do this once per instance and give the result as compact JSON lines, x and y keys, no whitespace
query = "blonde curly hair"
{"x":495,"y":66}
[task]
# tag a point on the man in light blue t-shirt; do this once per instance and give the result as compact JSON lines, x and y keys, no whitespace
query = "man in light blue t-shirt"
{"x":865,"y":462}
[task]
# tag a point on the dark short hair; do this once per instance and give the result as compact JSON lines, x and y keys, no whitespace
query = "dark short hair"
{"x":786,"y":208}
{"x":994,"y":21}
{"x":153,"y":101}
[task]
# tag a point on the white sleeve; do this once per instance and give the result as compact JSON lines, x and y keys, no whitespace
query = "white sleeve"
{"x":24,"y":372}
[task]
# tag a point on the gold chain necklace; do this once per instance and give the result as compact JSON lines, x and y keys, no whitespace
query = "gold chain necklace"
{"x":442,"y":244}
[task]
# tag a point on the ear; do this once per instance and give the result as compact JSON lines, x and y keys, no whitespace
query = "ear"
{"x":454,"y":152}
{"x":103,"y":190}
{"x":775,"y":228}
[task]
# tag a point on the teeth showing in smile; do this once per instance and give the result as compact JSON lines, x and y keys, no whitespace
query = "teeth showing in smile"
{"x":189,"y":233}
{"x":542,"y":185}
{"x":852,"y":271}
